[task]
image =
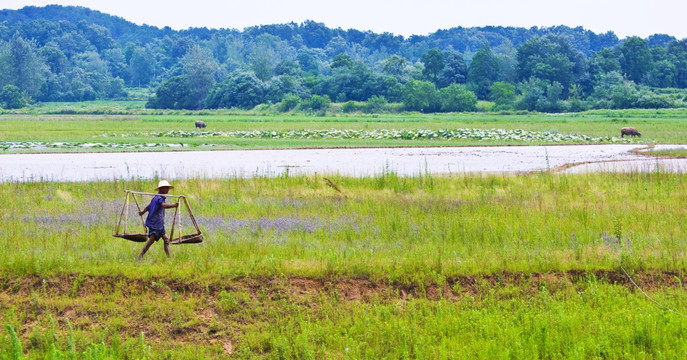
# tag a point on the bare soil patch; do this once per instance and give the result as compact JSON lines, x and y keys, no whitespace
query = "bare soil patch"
{"x":349,"y":289}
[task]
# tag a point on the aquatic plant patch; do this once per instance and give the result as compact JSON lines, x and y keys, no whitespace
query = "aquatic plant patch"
{"x":388,"y":134}
{"x":39,"y":145}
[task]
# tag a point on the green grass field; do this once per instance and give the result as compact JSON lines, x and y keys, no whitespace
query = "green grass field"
{"x":128,"y":123}
{"x":424,"y":267}
{"x":384,"y":267}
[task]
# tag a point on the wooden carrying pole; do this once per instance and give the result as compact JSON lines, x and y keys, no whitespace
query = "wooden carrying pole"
{"x":125,"y":208}
{"x":178,"y":214}
{"x":174,"y":221}
{"x":119,"y":223}
{"x":190,"y":213}
{"x":153,"y":194}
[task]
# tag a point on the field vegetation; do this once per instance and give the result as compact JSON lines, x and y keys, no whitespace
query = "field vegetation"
{"x":385,"y":266}
{"x":670,"y":153}
{"x":117,"y":126}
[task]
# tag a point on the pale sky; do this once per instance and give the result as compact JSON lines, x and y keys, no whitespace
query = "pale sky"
{"x":402,"y":17}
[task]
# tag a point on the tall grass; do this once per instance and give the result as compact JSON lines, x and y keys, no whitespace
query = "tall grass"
{"x":384,"y":227}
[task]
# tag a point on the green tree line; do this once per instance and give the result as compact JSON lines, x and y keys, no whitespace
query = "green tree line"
{"x":57,"y":53}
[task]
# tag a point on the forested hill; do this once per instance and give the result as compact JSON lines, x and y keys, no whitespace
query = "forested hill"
{"x":36,"y":20}
{"x":64,"y":53}
{"x":30,"y":19}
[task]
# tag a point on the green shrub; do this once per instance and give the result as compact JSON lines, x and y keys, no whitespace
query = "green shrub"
{"x":12,"y":98}
{"x":317,"y":102}
{"x":649,"y":100}
{"x":289,"y":102}
{"x":457,"y":98}
{"x":349,"y":107}
{"x":375,"y":104}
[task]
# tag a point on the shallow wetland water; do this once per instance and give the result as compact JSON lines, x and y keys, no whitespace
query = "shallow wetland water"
{"x":348,"y":162}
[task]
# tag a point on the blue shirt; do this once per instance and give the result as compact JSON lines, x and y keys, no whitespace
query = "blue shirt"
{"x":156,"y":213}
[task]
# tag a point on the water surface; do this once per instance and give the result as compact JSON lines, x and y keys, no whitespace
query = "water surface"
{"x":349,"y":162}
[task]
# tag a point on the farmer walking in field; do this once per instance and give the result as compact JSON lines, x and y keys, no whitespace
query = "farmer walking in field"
{"x":155,"y":222}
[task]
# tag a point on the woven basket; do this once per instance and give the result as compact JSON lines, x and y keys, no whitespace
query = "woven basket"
{"x":133,"y":237}
{"x":188,"y":239}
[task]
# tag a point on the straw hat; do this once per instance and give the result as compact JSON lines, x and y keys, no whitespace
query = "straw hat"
{"x":163,"y":183}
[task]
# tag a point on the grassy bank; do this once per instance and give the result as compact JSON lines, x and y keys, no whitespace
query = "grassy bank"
{"x":670,"y":153}
{"x":103,"y":318}
{"x":659,"y":126}
{"x":384,"y":227}
{"x":300,"y":267}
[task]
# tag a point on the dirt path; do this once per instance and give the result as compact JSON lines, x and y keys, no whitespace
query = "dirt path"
{"x":349,"y":289}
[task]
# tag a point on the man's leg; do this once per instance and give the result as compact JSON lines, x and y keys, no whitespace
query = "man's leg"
{"x":165,"y":240}
{"x":149,"y":243}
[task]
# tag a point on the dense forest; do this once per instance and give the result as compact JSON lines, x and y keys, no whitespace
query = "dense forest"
{"x":63,"y":53}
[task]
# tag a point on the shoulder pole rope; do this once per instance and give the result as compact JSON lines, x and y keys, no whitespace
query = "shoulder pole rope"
{"x":174,"y":221}
{"x":193,"y":218}
{"x":126,"y":220}
{"x":178,"y":214}
{"x":139,"y":211}
{"x":119,"y":223}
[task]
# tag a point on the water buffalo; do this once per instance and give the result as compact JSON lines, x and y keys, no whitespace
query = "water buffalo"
{"x":630,"y":131}
{"x":200,"y":124}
